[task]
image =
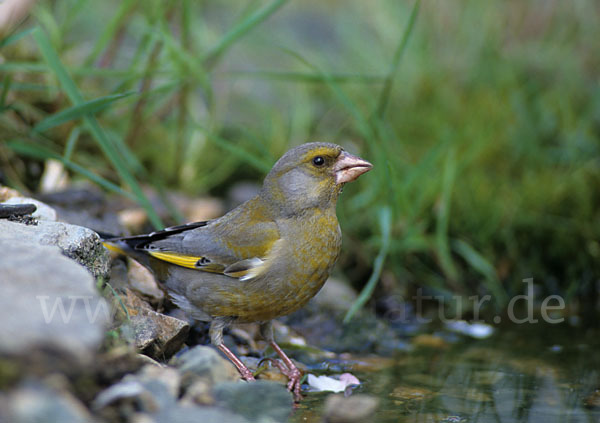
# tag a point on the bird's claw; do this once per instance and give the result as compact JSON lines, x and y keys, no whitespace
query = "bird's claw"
{"x":293,"y":374}
{"x":247,"y":375}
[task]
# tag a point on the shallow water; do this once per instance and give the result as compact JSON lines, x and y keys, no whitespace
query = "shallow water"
{"x":533,"y":374}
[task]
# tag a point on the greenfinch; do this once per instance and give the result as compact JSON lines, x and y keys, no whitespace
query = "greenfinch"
{"x":264,"y":259}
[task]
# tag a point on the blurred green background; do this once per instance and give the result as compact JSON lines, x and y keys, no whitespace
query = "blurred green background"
{"x":482,"y":120}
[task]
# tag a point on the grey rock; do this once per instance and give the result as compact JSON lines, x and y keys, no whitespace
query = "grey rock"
{"x":202,"y":362}
{"x":48,"y":302}
{"x":169,"y":376}
{"x":194,"y":414}
{"x":125,"y":389}
{"x":152,"y":389}
{"x":75,"y":242}
{"x":260,"y":401}
{"x":354,"y":409}
{"x":200,"y":392}
{"x":149,"y":396}
{"x":157,"y":335}
{"x":35,"y":402}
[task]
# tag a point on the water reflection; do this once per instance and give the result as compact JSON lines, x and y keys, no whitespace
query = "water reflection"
{"x":528,"y":374}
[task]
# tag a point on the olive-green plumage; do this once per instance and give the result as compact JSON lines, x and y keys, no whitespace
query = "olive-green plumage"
{"x":267,"y":257}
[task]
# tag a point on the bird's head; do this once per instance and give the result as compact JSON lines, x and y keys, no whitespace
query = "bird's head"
{"x":311,"y":175}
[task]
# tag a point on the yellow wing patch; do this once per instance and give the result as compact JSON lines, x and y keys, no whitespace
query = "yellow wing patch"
{"x":183,"y":260}
{"x":175,"y":258}
{"x":113,"y":247}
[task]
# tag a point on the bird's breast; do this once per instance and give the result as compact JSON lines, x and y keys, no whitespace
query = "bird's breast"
{"x":306,"y":252}
{"x":311,"y":246}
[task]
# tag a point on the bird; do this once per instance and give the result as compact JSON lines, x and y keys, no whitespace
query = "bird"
{"x":265,"y":258}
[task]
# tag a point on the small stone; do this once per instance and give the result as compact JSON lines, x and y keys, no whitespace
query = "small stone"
{"x":144,"y":359}
{"x":354,"y":409}
{"x":194,"y":414}
{"x":157,"y":335}
{"x":6,"y":193}
{"x":34,"y":402}
{"x":202,"y":362}
{"x":152,"y":389}
{"x":143,"y":282}
{"x":198,"y":209}
{"x":200,"y":392}
{"x":429,"y":341}
{"x":133,"y":219}
{"x":257,"y":401}
{"x":402,"y":394}
{"x":55,"y":176}
{"x":169,"y":376}
{"x":141,"y":418}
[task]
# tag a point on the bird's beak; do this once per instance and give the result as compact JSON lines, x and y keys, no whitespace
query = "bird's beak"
{"x":348,"y":167}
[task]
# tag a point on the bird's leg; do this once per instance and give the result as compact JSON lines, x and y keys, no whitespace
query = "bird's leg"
{"x":216,"y":338}
{"x":288,"y":368}
{"x":244,"y":371}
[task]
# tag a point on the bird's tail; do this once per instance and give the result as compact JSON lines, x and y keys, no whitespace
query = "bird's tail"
{"x":116,"y":244}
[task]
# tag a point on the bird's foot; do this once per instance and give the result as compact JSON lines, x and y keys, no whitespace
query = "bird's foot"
{"x":244,"y":371}
{"x":247,"y":374}
{"x":293,"y":374}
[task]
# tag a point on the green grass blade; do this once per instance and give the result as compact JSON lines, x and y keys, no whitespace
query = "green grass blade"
{"x":41,"y":153}
{"x":443,"y":216}
{"x":385,"y":223}
{"x":110,"y":30}
{"x":384,"y":96}
{"x":306,"y":77}
{"x":241,"y":29}
{"x":483,"y":266}
{"x":14,"y":37}
{"x":93,"y":126}
{"x":80,"y":111}
{"x":71,"y":142}
{"x":237,"y":151}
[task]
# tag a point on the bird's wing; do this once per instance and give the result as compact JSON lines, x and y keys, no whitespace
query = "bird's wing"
{"x":238,"y":250}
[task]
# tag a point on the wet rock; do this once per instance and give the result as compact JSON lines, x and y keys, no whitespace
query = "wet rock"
{"x":354,"y":409}
{"x":35,"y":402}
{"x":365,"y":333}
{"x":260,"y":401}
{"x":157,"y":335}
{"x":75,"y":242}
{"x":202,"y":362}
{"x":193,"y":414}
{"x":404,"y":394}
{"x":133,"y":394}
{"x":151,"y":390}
{"x":200,"y":392}
{"x":48,"y":302}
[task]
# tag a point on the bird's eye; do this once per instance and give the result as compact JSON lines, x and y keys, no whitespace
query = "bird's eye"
{"x":318,"y":161}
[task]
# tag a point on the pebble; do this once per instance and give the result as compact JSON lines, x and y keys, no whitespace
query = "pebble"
{"x":355,"y":409}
